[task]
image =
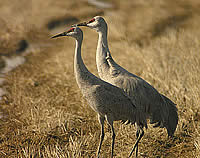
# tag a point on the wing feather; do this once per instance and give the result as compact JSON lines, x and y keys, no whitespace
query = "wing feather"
{"x":150,"y":102}
{"x":116,"y":101}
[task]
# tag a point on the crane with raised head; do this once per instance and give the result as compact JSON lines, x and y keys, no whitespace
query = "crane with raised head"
{"x":110,"y":102}
{"x":150,"y":103}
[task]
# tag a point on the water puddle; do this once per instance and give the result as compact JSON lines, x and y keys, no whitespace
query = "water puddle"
{"x":100,"y":4}
{"x":12,"y":63}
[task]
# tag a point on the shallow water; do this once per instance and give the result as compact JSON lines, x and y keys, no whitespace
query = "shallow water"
{"x":11,"y":63}
{"x":100,"y":4}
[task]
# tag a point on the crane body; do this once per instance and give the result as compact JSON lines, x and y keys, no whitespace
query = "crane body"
{"x":149,"y":102}
{"x":110,"y":102}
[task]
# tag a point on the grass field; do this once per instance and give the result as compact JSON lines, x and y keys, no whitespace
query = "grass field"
{"x":45,"y":114}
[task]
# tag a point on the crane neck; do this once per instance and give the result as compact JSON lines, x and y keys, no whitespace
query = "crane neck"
{"x":104,"y":59}
{"x":103,"y":43}
{"x":83,"y":77}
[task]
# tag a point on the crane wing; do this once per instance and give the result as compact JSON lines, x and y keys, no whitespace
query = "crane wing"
{"x":115,"y":102}
{"x":147,"y":99}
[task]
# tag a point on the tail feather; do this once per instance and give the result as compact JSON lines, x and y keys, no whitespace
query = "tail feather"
{"x":172,"y":121}
{"x":166,"y":117}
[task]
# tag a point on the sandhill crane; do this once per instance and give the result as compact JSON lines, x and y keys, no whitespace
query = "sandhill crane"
{"x":110,"y":102}
{"x":151,"y":104}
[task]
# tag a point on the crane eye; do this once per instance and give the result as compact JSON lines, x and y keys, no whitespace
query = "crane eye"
{"x":70,"y":30}
{"x":92,"y":20}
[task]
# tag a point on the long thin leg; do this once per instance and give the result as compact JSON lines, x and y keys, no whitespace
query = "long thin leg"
{"x":110,"y":122}
{"x":138,"y":140}
{"x":101,"y":121}
{"x":113,"y":140}
{"x":137,"y":135}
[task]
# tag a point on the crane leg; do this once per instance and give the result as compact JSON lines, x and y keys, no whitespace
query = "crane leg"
{"x":110,"y":122}
{"x":101,"y":121}
{"x":136,"y":149}
{"x":113,"y":140}
{"x":137,"y":141}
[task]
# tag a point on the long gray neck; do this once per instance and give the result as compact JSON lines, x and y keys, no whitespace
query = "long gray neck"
{"x":101,"y":54}
{"x":83,"y":77}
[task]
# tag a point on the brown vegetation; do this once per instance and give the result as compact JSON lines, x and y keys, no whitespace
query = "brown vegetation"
{"x":45,"y":114}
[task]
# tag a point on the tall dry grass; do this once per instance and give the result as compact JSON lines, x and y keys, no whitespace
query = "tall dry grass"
{"x":46,"y":115}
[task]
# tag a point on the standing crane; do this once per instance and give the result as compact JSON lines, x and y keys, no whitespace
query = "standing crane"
{"x":152,"y":105}
{"x":110,"y":102}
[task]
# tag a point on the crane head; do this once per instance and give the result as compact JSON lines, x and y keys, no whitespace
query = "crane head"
{"x":75,"y":32}
{"x":98,"y":23}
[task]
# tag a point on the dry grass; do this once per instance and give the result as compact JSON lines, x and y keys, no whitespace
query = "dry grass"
{"x":46,"y":115}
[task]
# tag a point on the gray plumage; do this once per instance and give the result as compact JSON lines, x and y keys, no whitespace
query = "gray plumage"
{"x":149,"y":102}
{"x":110,"y":102}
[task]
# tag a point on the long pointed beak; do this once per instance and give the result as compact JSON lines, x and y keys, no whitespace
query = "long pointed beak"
{"x":80,"y":24}
{"x":61,"y":34}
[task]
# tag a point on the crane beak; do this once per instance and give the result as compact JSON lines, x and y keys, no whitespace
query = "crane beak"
{"x":61,"y":34}
{"x":80,"y":24}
